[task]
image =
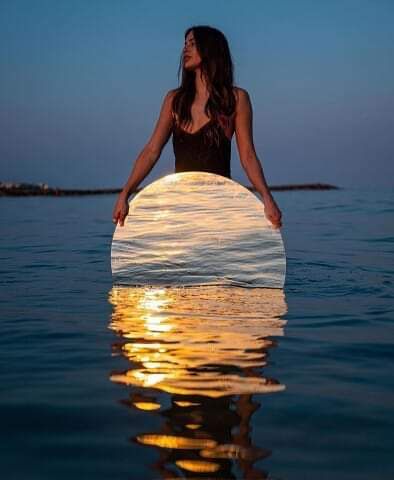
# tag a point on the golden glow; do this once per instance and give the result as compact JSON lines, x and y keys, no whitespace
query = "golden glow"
{"x":197,"y":353}
{"x":154,"y":299}
{"x":178,"y":331}
{"x":147,"y":405}
{"x":234,"y":451}
{"x":192,"y":426}
{"x":205,"y":346}
{"x":186,"y":404}
{"x":198,"y":466}
{"x":173,"y":441}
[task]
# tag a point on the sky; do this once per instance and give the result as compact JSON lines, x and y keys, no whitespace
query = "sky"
{"x":82,"y":84}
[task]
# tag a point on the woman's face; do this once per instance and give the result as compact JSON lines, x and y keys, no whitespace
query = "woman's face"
{"x":191,"y":57}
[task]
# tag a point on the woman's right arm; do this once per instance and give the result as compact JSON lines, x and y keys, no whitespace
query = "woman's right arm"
{"x":146,"y":159}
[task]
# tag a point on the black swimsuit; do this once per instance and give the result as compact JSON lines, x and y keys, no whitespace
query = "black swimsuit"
{"x":194,"y":153}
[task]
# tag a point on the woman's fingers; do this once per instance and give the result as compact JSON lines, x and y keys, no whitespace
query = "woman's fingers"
{"x":275,"y":219}
{"x":273,"y":213}
{"x":120,"y":212}
{"x":119,"y":218}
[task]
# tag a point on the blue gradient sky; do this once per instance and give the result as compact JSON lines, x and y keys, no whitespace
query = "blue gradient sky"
{"x":82,"y":84}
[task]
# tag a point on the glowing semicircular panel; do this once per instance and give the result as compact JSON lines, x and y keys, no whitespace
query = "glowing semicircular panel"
{"x":197,"y":228}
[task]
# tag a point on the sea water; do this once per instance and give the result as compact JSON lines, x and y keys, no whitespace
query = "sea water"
{"x":102,"y":381}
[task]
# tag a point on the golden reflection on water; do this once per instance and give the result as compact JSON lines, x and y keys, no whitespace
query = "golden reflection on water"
{"x":195,"y":358}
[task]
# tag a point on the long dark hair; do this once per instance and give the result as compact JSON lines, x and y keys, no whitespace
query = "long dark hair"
{"x":217,"y":67}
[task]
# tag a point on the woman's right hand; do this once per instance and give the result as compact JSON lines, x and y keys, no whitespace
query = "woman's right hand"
{"x":121,"y":210}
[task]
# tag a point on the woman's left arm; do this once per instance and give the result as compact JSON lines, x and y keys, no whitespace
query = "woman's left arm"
{"x":248,"y":157}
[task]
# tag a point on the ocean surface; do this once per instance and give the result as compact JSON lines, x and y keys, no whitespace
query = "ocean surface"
{"x":110,"y":381}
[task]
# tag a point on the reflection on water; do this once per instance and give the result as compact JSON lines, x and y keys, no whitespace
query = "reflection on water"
{"x":194,"y":228}
{"x":197,"y":355}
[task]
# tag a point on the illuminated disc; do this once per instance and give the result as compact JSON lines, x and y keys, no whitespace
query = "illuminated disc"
{"x":197,"y":228}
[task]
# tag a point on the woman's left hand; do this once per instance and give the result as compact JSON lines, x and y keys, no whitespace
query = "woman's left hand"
{"x":272,"y":212}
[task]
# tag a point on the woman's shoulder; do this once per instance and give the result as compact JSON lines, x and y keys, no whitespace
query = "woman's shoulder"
{"x":240,"y":93}
{"x":171,"y":93}
{"x":241,"y":98}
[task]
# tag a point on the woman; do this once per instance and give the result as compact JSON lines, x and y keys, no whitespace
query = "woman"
{"x":202,"y":114}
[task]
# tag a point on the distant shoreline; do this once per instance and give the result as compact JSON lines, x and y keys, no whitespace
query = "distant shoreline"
{"x":9,"y":189}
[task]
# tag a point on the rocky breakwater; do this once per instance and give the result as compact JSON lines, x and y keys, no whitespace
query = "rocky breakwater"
{"x":24,"y":189}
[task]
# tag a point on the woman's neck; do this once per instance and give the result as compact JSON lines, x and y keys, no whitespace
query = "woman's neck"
{"x":201,"y":85}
